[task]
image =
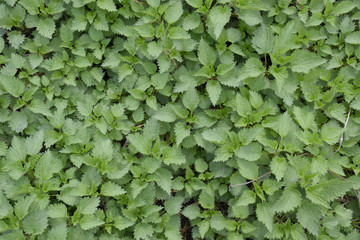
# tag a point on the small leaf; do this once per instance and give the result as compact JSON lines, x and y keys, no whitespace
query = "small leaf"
{"x":206,"y":200}
{"x":309,"y":216}
{"x":88,"y":205}
{"x":46,"y":27}
{"x":173,"y":205}
{"x":181,"y":131}
{"x":251,"y":152}
{"x":303,"y":61}
{"x":304,"y":117}
{"x":107,"y":5}
{"x":174,"y":12}
{"x":331,"y":132}
{"x":353,"y":38}
{"x":172,"y":155}
{"x":219,"y":16}
{"x":279,"y":166}
{"x":191,"y":212}
{"x":191,"y":99}
{"x":214,"y":90}
{"x":35,"y":223}
{"x":265,"y":214}
{"x":111,"y":189}
{"x":206,"y":54}
{"x":143,"y":231}
{"x":263,"y":40}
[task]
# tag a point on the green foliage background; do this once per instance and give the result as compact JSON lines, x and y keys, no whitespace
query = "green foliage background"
{"x":135,"y":119}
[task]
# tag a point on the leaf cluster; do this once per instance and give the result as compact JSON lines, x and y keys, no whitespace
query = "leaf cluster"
{"x":130,"y":119}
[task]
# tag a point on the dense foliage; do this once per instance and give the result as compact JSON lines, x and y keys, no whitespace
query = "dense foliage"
{"x":149,"y":119}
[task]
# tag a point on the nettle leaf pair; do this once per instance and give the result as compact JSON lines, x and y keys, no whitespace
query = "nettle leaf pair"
{"x":179,"y":119}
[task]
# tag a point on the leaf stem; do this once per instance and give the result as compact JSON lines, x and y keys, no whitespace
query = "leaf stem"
{"x":266,"y":62}
{"x":246,"y":183}
{"x":342,"y":136}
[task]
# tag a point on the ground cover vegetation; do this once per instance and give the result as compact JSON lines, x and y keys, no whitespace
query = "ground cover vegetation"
{"x":149,"y":119}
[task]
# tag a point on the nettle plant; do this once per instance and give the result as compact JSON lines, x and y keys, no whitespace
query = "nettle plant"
{"x":149,"y":119}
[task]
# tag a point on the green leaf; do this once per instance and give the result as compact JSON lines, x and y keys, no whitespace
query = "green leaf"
{"x":246,"y":198}
{"x":137,"y":186}
{"x":285,"y":41}
{"x":206,"y":200}
{"x":303,"y":61}
{"x":191,"y":99}
{"x":289,"y":200}
{"x":253,"y":68}
{"x":304,"y":117}
{"x":22,"y":206}
{"x":219,"y":16}
{"x":89,"y":221}
{"x":309,"y":216}
{"x":215,"y":135}
{"x":165,"y":114}
{"x":35,"y":223}
{"x":247,"y":169}
{"x":251,"y":152}
{"x":143,"y":231}
{"x":263,"y":40}
{"x":173,"y":205}
{"x":204,"y":226}
{"x":88,"y":205}
{"x":172,"y":155}
{"x":15,"y":39}
{"x":242,"y":105}
{"x":46,"y":27}
{"x":141,"y":143}
{"x":174,"y":12}
{"x":122,"y":223}
{"x":344,"y":7}
{"x":163,"y":179}
{"x":124,"y":71}
{"x":282,"y":124}
{"x":222,"y":69}
{"x":18,"y":121}
{"x":255,"y":99}
{"x":59,"y":232}
{"x":154,"y":49}
{"x":181,"y":131}
{"x":66,"y":34}
{"x":57,"y":210}
{"x":103,"y":150}
{"x":214,"y":90}
{"x":218,"y":221}
{"x":297,"y":232}
{"x":37,"y":106}
{"x":12,"y":85}
{"x":107,"y":5}
{"x":191,"y":21}
{"x":178,"y":33}
{"x":111,"y":189}
{"x":265,"y":214}
{"x":34,"y":143}
{"x":6,"y":208}
{"x":47,"y":166}
{"x":223,"y":153}
{"x":331,"y":132}
{"x":191,"y":212}
{"x":206,"y":54}
{"x":194,"y":3}
{"x":327,"y":191}
{"x":353,"y":38}
{"x":279,"y":167}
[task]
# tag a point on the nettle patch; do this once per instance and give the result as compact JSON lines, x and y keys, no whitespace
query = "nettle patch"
{"x":149,"y":119}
